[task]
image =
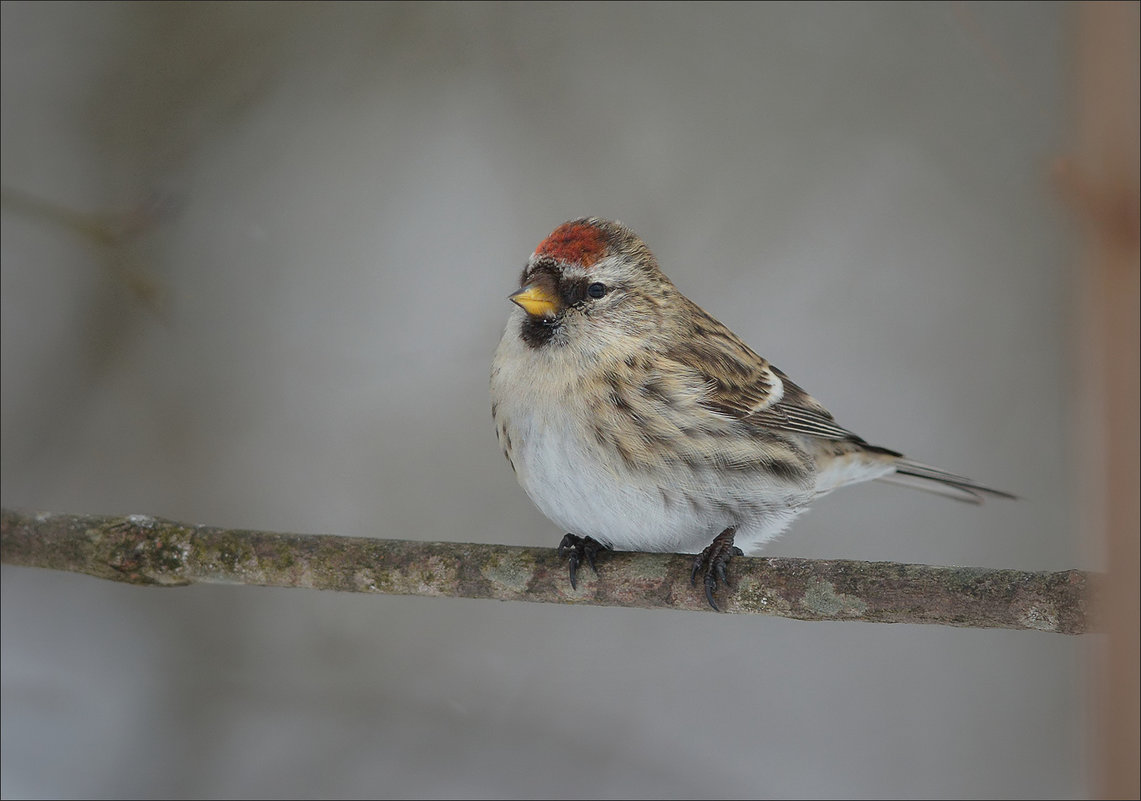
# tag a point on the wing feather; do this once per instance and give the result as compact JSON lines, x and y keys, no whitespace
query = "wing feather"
{"x":743,"y":385}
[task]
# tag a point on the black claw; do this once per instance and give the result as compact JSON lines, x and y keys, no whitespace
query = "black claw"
{"x":698,"y":563}
{"x":575,"y":549}
{"x":710,"y":584}
{"x":568,"y":549}
{"x":713,"y":562}
{"x":590,"y":554}
{"x":721,"y":574}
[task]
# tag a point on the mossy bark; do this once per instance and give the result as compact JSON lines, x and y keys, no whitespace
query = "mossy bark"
{"x":139,"y":549}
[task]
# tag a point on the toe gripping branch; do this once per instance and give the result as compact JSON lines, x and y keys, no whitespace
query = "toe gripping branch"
{"x":712,"y":563}
{"x":576,"y":550}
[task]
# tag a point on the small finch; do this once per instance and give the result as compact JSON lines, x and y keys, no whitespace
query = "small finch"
{"x":636,"y":421}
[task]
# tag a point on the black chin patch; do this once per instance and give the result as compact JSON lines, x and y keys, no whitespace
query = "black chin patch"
{"x":538,"y":331}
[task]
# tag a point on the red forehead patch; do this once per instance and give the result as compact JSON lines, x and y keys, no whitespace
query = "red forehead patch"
{"x":574,"y":242}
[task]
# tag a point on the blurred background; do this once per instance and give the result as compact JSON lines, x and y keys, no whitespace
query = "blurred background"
{"x":254,"y":266}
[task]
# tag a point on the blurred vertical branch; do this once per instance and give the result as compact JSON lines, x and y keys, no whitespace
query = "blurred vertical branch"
{"x":1102,"y":183}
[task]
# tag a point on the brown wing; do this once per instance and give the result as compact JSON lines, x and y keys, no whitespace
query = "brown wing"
{"x":800,"y":412}
{"x":743,"y":385}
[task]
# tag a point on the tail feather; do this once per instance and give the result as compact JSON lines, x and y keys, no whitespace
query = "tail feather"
{"x":932,"y":479}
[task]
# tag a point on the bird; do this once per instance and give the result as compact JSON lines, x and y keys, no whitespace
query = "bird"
{"x":636,"y":421}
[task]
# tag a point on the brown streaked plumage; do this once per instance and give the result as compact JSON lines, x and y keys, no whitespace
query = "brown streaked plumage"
{"x":637,"y":421}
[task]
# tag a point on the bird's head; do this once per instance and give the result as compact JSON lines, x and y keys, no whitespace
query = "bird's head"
{"x":589,"y":282}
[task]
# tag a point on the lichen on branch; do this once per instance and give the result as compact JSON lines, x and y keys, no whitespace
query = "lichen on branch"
{"x":144,"y":550}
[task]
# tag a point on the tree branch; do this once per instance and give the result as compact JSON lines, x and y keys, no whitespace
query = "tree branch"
{"x":138,"y":549}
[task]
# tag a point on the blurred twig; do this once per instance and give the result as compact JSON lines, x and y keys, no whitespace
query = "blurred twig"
{"x":110,"y":235}
{"x":149,"y":551}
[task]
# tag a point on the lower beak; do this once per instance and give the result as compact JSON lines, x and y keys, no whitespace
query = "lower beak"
{"x":536,"y":301}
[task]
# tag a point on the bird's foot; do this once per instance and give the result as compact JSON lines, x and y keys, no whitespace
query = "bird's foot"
{"x":713,"y":561}
{"x":576,"y":550}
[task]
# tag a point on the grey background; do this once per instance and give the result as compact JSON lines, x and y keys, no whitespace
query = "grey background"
{"x":340,"y":198}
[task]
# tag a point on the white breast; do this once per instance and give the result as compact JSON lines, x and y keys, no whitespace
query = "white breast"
{"x":586,"y":490}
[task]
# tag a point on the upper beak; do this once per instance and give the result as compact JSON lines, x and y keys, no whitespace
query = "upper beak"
{"x":536,"y":301}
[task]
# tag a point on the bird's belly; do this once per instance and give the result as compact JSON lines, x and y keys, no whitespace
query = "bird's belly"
{"x":580,"y":488}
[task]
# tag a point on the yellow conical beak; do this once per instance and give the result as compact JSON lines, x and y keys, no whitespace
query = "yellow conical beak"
{"x":536,"y":301}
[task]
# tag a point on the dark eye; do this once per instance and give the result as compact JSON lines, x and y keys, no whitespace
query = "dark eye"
{"x":596,"y":290}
